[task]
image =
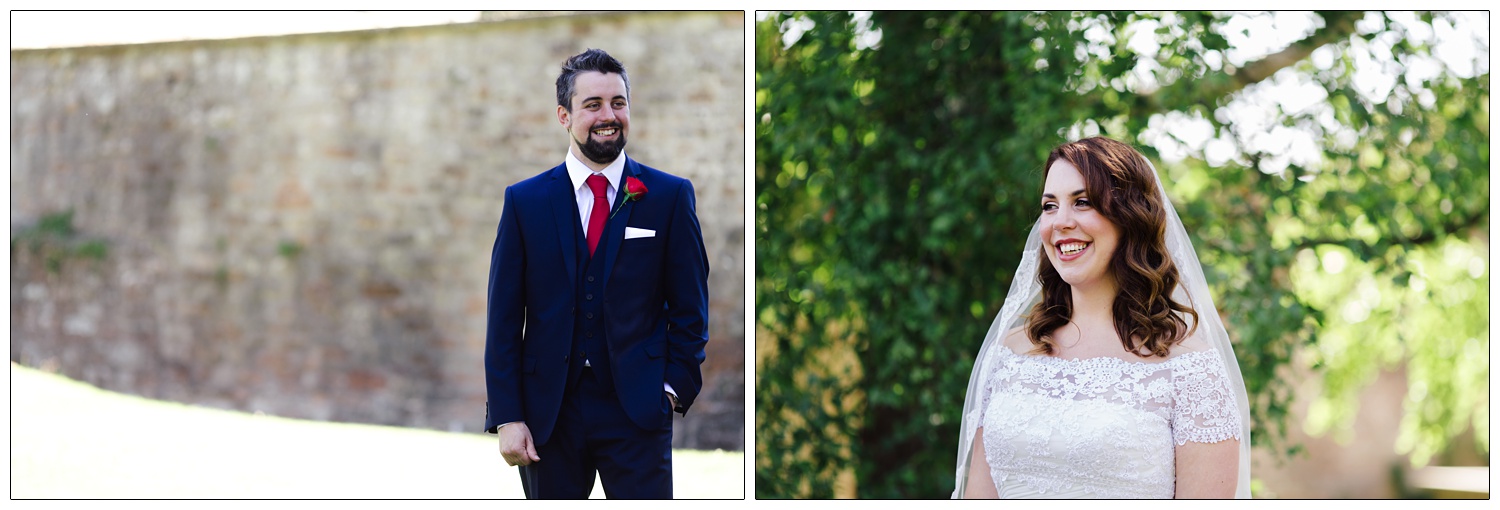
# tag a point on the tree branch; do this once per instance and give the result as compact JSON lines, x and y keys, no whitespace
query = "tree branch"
{"x":1337,"y":26}
{"x":1471,"y":220}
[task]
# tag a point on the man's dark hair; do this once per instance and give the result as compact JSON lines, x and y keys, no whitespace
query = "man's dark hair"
{"x":591,"y":60}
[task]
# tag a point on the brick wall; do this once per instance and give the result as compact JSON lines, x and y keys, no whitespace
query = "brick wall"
{"x":301,"y":225}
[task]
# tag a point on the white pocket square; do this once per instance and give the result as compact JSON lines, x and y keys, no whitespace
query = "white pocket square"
{"x":632,"y":233}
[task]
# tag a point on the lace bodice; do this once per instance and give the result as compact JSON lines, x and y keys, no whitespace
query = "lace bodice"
{"x":1100,"y":427}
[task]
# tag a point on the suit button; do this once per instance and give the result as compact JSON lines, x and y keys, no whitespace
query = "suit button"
{"x":589,"y":315}
{"x":589,"y":297}
{"x":589,"y":334}
{"x":591,"y":278}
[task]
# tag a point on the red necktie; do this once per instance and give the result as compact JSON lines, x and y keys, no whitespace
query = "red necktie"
{"x":598,"y":184}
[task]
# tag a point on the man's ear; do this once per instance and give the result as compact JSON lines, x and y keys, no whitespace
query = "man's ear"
{"x":563,"y":116}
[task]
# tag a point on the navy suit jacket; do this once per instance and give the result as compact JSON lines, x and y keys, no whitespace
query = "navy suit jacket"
{"x":655,"y":307}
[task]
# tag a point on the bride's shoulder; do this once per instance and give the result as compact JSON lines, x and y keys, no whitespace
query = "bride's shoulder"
{"x":1195,"y":343}
{"x":1017,"y":340}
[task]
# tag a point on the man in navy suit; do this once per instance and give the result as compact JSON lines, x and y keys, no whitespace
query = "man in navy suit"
{"x":598,"y":306}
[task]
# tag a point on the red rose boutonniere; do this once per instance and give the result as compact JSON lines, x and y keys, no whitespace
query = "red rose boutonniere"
{"x":634,"y":189}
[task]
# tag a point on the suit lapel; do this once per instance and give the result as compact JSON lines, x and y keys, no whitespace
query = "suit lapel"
{"x":615,"y":227}
{"x":565,"y":211}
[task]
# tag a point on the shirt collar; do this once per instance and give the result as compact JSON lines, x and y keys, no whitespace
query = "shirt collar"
{"x":577,"y":171}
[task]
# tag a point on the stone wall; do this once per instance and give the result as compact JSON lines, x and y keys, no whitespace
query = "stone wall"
{"x":301,"y":225}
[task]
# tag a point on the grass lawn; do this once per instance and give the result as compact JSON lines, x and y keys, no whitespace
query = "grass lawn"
{"x":72,"y":440}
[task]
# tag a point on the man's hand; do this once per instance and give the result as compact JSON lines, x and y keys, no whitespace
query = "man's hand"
{"x":516,"y":445}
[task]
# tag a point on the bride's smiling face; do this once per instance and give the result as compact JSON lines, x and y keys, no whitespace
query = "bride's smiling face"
{"x":1078,"y":239}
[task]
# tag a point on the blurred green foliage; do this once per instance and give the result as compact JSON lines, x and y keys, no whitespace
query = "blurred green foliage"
{"x":54,"y":241}
{"x":289,"y":249}
{"x":896,"y":179}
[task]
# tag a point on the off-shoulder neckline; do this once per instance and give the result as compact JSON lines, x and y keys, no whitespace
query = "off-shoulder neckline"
{"x":1106,"y":359}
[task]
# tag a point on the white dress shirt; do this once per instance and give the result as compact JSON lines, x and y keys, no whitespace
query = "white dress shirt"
{"x":578,"y":172}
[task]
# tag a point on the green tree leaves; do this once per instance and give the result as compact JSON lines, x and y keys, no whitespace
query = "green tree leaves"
{"x":896,"y":181}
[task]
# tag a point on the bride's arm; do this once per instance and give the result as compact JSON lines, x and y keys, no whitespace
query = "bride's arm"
{"x":1207,"y":470}
{"x":980,"y":485}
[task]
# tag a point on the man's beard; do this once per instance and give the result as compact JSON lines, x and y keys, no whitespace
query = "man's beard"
{"x":603,"y":152}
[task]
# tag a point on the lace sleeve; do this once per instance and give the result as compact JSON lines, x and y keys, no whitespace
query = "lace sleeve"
{"x":1204,"y":410}
{"x":986,"y":390}
{"x":998,"y":370}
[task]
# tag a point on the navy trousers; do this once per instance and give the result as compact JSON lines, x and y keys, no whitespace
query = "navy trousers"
{"x":593,"y":434}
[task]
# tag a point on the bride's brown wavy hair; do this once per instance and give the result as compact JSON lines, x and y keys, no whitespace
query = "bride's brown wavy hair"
{"x":1120,"y":183}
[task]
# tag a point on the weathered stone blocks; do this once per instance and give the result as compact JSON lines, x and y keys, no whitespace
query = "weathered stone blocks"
{"x":301,"y":225}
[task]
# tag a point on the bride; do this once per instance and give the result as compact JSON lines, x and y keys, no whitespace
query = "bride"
{"x":1119,"y":381}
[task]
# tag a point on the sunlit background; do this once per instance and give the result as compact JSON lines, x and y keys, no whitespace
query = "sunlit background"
{"x":60,"y":29}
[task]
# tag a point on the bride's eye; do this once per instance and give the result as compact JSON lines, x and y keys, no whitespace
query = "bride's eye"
{"x":1048,"y":206}
{"x":1083,"y":202}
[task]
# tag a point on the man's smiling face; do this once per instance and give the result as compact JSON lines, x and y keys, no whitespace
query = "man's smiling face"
{"x":600,"y":117}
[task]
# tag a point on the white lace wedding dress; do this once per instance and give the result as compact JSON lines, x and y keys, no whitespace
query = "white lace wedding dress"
{"x":1100,"y":427}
